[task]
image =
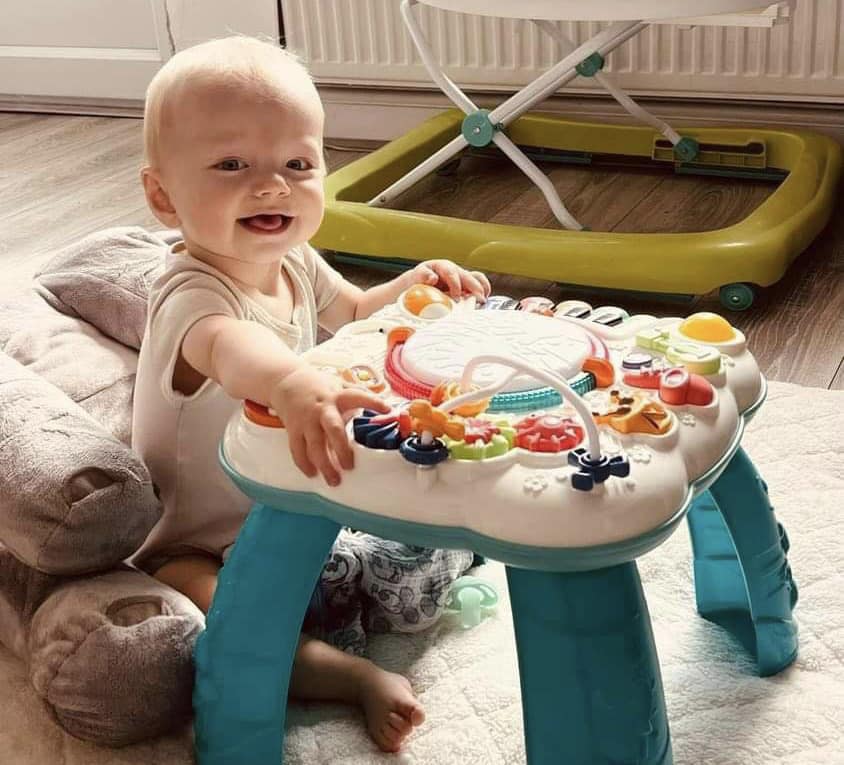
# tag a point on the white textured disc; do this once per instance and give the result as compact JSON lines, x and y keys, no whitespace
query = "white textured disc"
{"x":440,"y":351}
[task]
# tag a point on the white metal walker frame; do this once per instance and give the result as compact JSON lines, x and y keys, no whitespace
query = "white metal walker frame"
{"x":485,"y":127}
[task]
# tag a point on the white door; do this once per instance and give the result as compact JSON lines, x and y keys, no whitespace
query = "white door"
{"x":98,"y":50}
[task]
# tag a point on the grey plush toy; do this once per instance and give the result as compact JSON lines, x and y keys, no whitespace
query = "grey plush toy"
{"x":108,"y":648}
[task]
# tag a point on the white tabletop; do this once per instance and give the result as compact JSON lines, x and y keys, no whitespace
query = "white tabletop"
{"x":595,"y":10}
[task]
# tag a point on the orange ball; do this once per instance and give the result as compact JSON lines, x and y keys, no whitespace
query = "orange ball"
{"x":427,"y":302}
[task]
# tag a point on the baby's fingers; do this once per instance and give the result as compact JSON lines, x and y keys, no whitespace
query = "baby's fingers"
{"x":299,"y":452}
{"x":337,"y":438}
{"x":319,"y":456}
{"x":426,"y":274}
{"x":482,"y":278}
{"x":473,"y":285}
{"x":358,"y":398}
{"x":451,"y":278}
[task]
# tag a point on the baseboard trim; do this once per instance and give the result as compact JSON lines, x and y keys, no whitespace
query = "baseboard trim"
{"x":381,"y":114}
{"x":80,"y":106}
{"x":374,"y":115}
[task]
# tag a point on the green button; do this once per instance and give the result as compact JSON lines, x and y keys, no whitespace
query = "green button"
{"x":653,"y":339}
{"x":699,"y":359}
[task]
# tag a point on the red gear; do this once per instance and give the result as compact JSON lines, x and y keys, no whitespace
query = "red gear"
{"x":548,"y":433}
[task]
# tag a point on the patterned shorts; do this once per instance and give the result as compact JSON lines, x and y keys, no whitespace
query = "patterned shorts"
{"x":371,"y":584}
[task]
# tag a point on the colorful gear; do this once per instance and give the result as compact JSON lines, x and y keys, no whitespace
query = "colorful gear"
{"x":482,"y":439}
{"x":542,"y":432}
{"x":382,"y":431}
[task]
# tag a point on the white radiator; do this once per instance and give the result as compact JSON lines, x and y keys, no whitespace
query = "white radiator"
{"x":364,"y":42}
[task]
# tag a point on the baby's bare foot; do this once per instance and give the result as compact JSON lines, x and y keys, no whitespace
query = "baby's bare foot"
{"x":391,"y":709}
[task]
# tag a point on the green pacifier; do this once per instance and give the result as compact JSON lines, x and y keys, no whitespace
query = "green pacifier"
{"x":471,"y":597}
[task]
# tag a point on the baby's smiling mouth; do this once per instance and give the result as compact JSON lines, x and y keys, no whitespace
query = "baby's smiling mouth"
{"x":265,"y":223}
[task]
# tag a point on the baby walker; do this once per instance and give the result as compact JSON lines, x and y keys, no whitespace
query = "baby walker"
{"x":563,"y":442}
{"x":756,"y":251}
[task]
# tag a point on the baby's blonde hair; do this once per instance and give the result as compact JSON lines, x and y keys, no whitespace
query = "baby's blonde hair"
{"x":240,"y":60}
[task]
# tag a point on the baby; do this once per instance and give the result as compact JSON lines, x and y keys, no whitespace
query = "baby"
{"x":233,"y":141}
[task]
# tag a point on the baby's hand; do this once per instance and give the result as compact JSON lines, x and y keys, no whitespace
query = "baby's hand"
{"x":314,"y":408}
{"x":457,"y":280}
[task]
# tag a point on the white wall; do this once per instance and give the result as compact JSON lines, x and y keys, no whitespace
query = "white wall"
{"x":364,"y":42}
{"x":109,"y":49}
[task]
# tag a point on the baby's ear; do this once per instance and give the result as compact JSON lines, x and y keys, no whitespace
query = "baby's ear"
{"x":158,"y":199}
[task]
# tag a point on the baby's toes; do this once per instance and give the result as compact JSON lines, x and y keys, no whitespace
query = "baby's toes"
{"x":387,"y":737}
{"x":399,"y":724}
{"x":412,"y":712}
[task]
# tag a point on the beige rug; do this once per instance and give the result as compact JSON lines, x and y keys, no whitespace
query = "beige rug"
{"x":720,"y":712}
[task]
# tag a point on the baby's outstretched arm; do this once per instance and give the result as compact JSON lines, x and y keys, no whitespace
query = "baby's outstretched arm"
{"x":249,"y":361}
{"x":353,"y":303}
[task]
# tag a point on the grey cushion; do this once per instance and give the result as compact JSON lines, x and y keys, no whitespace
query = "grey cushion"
{"x":105,"y":279}
{"x":73,"y":499}
{"x":94,"y":371}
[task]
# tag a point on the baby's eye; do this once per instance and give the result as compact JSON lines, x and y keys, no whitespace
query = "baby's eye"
{"x":231,"y":165}
{"x":299,"y":164}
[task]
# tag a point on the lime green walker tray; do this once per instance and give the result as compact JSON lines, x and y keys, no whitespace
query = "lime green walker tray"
{"x":736,"y":260}
{"x":755,"y":251}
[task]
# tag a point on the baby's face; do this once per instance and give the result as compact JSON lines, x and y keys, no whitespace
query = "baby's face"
{"x":244,"y":172}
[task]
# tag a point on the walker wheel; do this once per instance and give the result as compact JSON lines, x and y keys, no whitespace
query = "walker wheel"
{"x":738,"y":296}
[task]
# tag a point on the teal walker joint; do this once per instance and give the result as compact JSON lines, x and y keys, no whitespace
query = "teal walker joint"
{"x":687,"y":149}
{"x":478,"y":130}
{"x":591,"y":65}
{"x":472,"y":598}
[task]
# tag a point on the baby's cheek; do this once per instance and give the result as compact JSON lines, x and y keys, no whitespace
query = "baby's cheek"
{"x":315,"y":188}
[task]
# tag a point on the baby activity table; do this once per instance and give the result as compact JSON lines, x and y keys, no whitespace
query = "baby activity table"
{"x":735,"y":260}
{"x":562,"y":441}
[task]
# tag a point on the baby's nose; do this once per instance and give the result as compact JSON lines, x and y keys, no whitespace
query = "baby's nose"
{"x":274,"y":185}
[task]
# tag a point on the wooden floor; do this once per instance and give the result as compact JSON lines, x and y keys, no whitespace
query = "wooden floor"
{"x":62,"y":177}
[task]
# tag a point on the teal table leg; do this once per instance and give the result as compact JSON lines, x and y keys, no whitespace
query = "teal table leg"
{"x":591,"y":687}
{"x":742,"y":578}
{"x":244,"y":657}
